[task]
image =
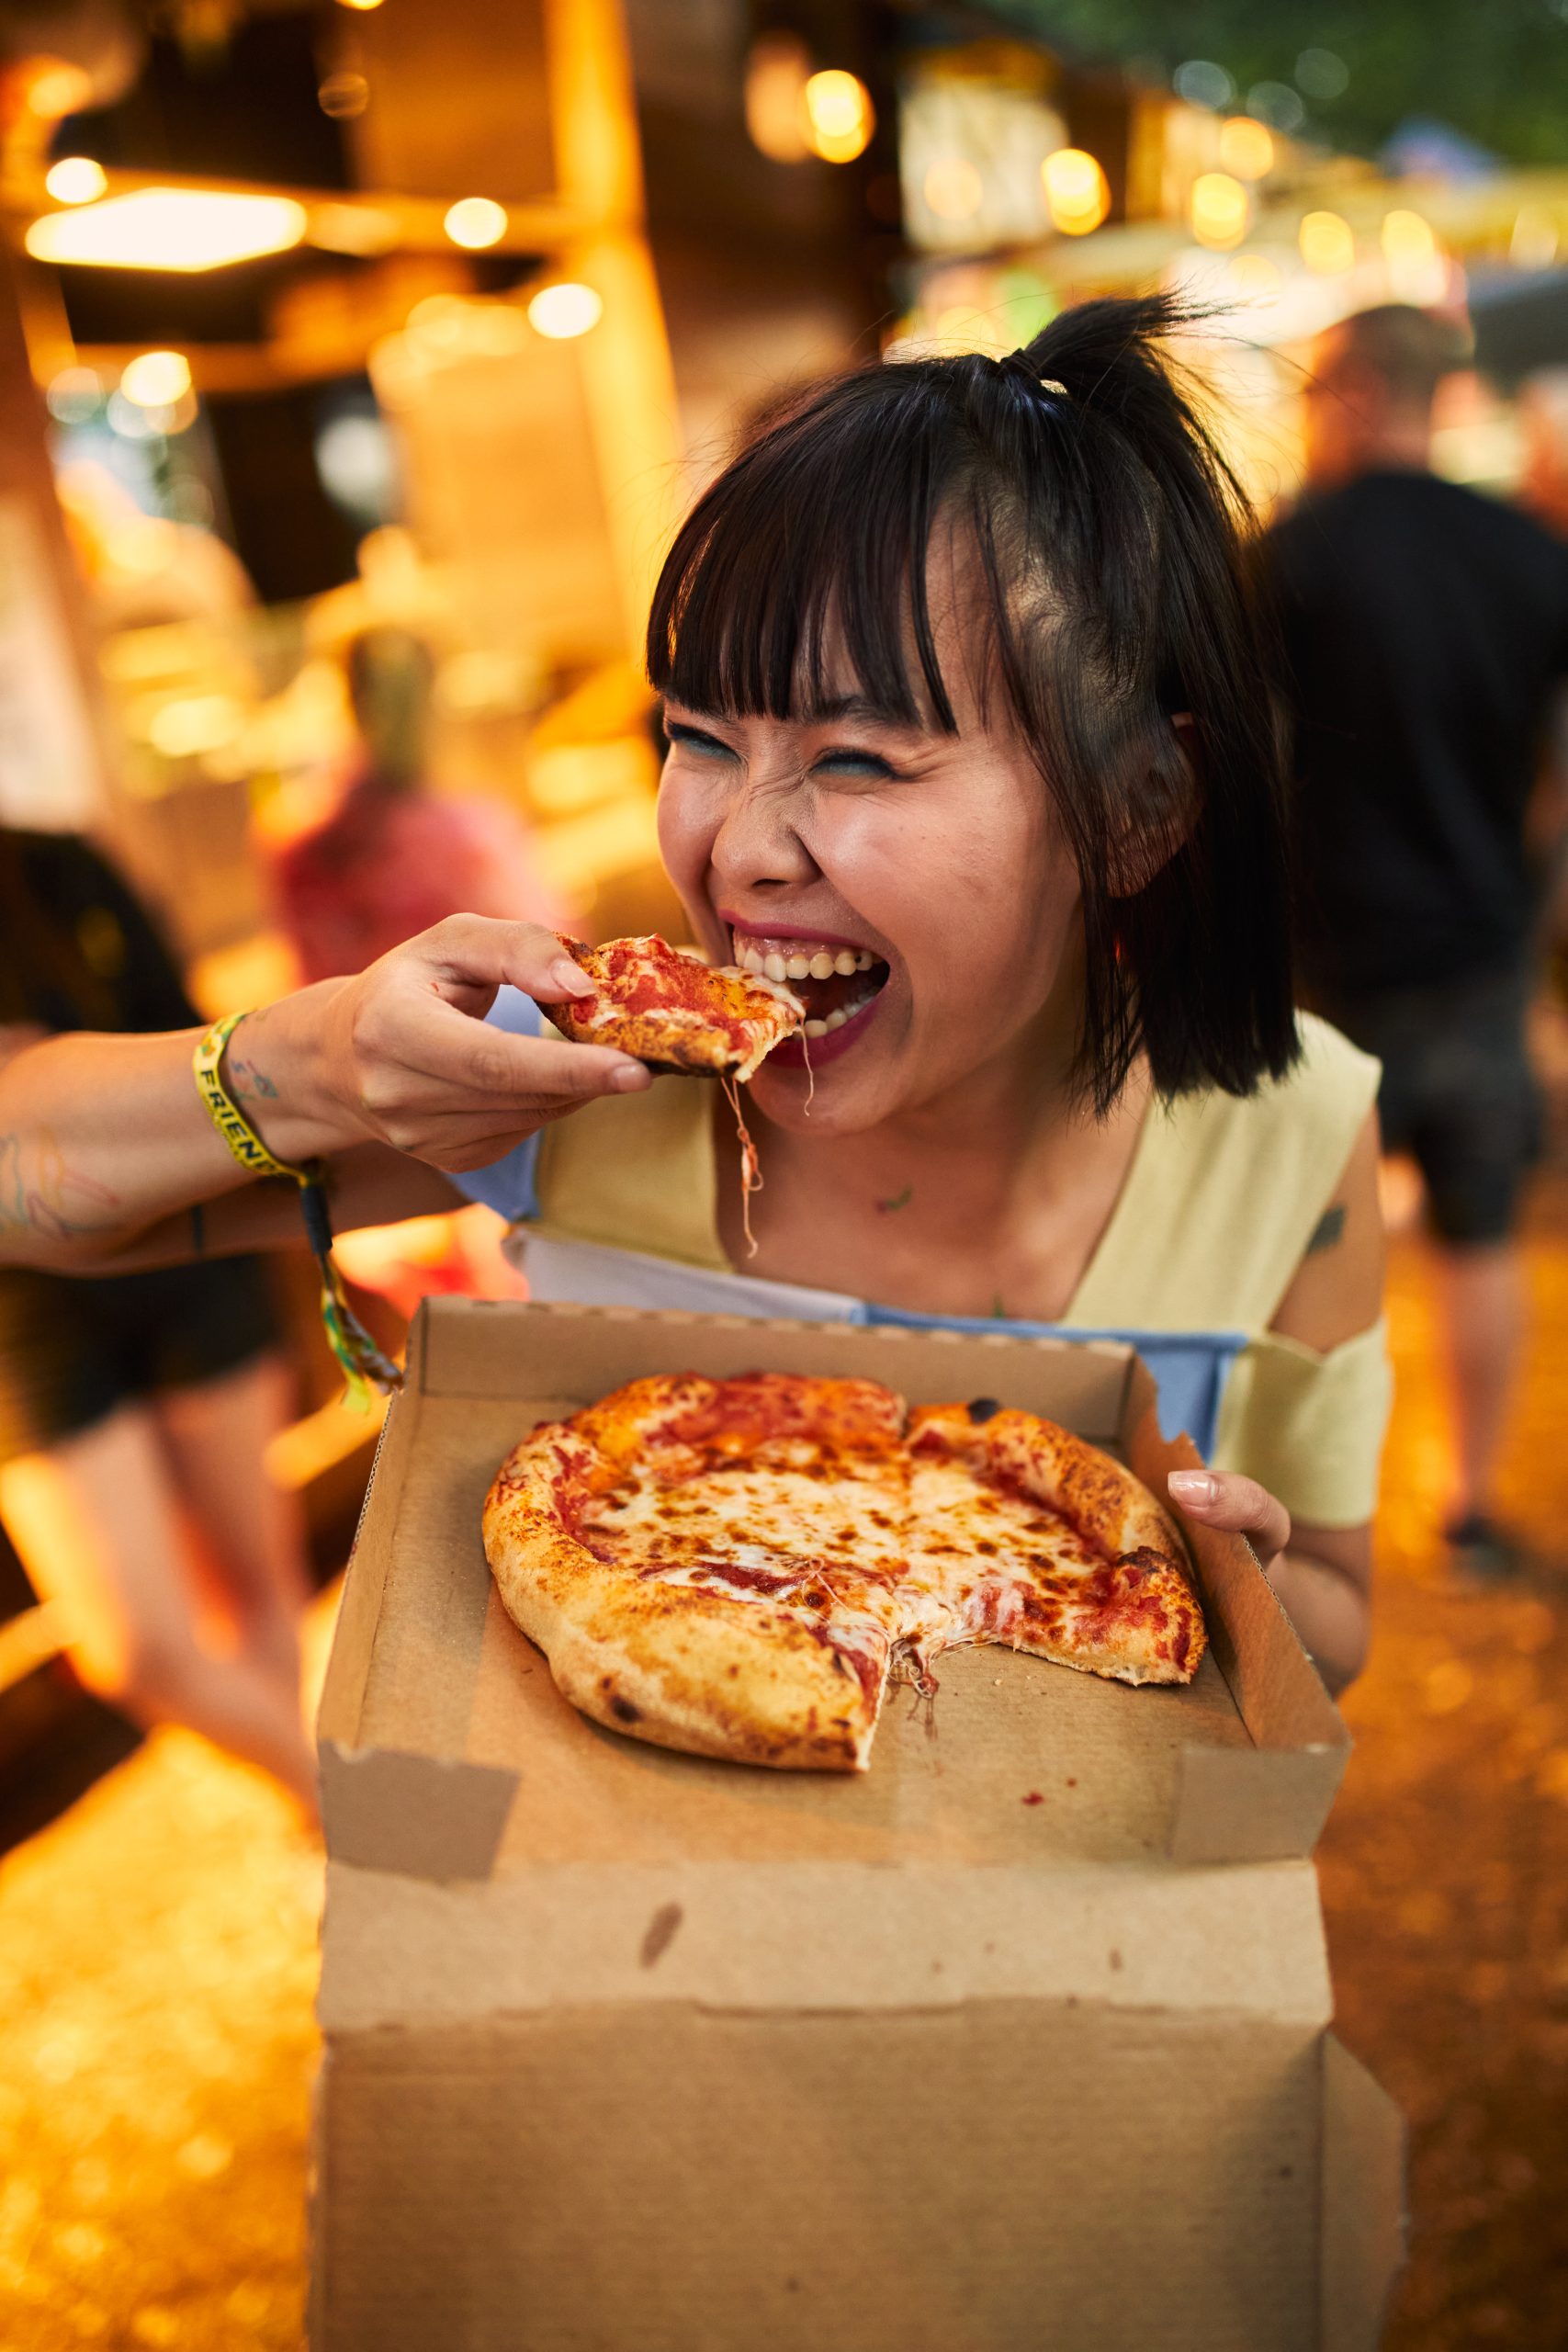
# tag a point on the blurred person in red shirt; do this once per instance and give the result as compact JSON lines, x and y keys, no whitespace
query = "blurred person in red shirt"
{"x":394,"y":858}
{"x":1426,"y":629}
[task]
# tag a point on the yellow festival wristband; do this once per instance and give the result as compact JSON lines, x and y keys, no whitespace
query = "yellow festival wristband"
{"x":364,"y":1365}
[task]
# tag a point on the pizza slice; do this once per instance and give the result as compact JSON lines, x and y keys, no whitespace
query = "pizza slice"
{"x":1024,"y":1533}
{"x":714,"y":1565}
{"x":675,"y":1013}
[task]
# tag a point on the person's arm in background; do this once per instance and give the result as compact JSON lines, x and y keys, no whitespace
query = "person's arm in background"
{"x":1323,"y":1575}
{"x":104,"y":1141}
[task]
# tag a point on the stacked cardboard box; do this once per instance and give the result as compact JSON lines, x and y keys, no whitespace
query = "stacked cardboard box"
{"x":1019,"y":2040}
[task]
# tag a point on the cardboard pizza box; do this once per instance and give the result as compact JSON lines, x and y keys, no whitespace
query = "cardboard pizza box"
{"x":1020,"y":2039}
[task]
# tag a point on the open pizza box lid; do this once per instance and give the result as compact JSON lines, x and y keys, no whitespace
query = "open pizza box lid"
{"x":447,"y":1753}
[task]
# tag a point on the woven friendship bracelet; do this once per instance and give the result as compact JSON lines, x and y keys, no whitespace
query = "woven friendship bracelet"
{"x":245,"y":1144}
{"x":364,"y":1365}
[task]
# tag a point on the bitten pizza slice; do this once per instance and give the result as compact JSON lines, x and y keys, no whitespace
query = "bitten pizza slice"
{"x":675,"y":1013}
{"x":1023,"y":1533}
{"x":713,"y":1565}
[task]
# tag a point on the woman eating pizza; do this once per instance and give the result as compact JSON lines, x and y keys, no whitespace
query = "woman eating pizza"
{"x":973,"y":749}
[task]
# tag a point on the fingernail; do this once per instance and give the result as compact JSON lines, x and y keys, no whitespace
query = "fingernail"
{"x":1192,"y":1486}
{"x":628,"y":1078}
{"x":572,"y":979}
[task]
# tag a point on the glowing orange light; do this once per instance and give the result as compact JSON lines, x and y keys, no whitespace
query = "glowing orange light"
{"x":1219,"y":211}
{"x":1246,"y":147}
{"x":1077,"y":190}
{"x":476,"y":221}
{"x":1327,"y":243}
{"x":75,"y":179}
{"x":777,"y":71}
{"x":839,"y":118}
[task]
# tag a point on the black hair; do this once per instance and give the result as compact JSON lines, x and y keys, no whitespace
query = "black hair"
{"x":1111,"y":539}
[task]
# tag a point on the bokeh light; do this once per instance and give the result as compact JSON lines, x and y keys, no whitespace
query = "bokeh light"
{"x":1327,"y":243}
{"x":75,"y":179}
{"x":1204,"y":83}
{"x":561,"y":311}
{"x":157,"y":379}
{"x":476,"y":221}
{"x":839,"y":118}
{"x":778,"y":67}
{"x":1220,"y":210}
{"x":1077,"y":190}
{"x":1246,"y":147}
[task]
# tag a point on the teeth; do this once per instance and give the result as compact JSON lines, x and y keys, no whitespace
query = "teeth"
{"x":817,"y":1028}
{"x":835,"y":1021}
{"x":805,"y":962}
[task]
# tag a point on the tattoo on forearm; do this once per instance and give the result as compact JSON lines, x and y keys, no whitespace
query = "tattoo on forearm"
{"x":1328,"y":1230}
{"x":47,"y":1197}
{"x":897,"y":1201}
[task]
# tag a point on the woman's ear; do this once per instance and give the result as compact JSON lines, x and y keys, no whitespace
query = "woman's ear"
{"x":1163,"y":800}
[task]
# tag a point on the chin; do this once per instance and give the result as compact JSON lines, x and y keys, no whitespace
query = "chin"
{"x":841,"y":1104}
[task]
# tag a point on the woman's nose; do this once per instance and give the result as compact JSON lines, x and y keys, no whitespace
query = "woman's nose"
{"x":758,"y":841}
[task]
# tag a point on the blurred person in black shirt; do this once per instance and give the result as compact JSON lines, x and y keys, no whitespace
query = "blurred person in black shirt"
{"x":1426,"y":633}
{"x":135,"y":1408}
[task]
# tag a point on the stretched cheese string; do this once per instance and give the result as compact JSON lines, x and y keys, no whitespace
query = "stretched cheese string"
{"x":750,"y":1168}
{"x":810,"y":1073}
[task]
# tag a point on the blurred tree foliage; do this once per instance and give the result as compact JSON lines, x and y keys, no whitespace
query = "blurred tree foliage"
{"x":1496,"y":70}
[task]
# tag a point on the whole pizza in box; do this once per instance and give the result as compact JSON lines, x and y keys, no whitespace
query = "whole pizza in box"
{"x":741,"y":1567}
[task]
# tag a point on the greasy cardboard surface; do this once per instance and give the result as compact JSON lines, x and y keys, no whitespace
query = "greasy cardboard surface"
{"x":1240,"y":1766}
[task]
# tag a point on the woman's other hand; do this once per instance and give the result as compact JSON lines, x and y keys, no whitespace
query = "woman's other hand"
{"x":1238,"y":1506}
{"x":401,"y":1053}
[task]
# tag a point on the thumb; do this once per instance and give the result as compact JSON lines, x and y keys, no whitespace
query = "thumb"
{"x":1238,"y":1506}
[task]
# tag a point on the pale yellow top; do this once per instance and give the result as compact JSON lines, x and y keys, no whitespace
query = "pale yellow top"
{"x":1211,"y":1226}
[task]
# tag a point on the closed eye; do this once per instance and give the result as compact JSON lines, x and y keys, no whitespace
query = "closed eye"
{"x":698,"y":739}
{"x":852,"y":763}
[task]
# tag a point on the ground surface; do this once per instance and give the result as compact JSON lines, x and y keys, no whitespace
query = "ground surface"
{"x":157,"y":1960}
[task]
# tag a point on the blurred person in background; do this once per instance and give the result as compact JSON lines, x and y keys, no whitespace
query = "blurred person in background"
{"x":394,"y":858}
{"x":135,"y":1410}
{"x":1426,"y":633}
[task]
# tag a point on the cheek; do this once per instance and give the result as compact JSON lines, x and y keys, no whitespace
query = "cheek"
{"x":688,"y":818}
{"x":977,"y":891}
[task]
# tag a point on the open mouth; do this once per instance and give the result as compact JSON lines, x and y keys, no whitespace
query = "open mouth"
{"x":837,"y":983}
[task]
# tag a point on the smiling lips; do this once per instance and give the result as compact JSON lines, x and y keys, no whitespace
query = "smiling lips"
{"x":835,"y":983}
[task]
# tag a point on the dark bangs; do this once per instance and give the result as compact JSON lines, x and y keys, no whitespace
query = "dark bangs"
{"x":1113,"y":597}
{"x":820,"y":528}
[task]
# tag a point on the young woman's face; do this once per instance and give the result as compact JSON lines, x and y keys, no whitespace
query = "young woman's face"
{"x":912,"y":886}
